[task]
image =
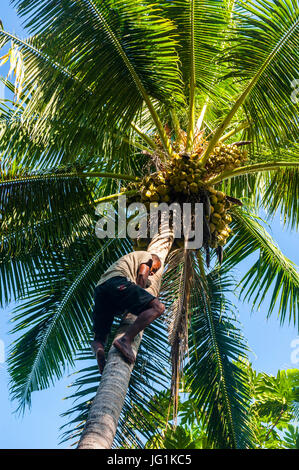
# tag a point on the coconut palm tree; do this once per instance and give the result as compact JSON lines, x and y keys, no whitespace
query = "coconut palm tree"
{"x":158,"y":102}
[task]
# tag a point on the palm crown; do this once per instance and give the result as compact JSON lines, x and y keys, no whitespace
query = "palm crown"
{"x":113,"y":94}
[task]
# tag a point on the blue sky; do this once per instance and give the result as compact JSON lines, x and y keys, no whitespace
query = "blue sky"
{"x":270,"y":343}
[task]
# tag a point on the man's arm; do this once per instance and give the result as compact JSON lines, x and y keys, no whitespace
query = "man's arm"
{"x":143,"y":273}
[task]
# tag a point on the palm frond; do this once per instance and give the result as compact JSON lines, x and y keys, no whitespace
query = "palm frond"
{"x":129,"y":72}
{"x":114,"y":151}
{"x":273,"y":189}
{"x":217,"y":385}
{"x":201,"y":28}
{"x":282,"y":195}
{"x":271,"y":272}
{"x":22,"y":141}
{"x":262,"y":55}
{"x":267,"y":45}
{"x":41,"y":215}
{"x":176,"y":289}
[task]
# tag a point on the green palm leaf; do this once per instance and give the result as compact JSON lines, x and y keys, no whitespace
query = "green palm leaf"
{"x":271,"y":272}
{"x":266,"y":48}
{"x":274,"y":190}
{"x":130,"y":69}
{"x":261,"y":45}
{"x":26,"y":139}
{"x":43,"y":214}
{"x":200,"y":27}
{"x":282,"y":195}
{"x":217,"y":385}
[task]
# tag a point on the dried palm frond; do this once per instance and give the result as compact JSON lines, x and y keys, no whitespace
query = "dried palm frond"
{"x":178,"y":282}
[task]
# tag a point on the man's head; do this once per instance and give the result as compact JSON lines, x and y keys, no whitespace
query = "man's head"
{"x":156,"y":264}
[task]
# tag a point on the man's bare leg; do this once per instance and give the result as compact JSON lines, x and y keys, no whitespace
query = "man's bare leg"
{"x":124,"y":343}
{"x":99,"y":351}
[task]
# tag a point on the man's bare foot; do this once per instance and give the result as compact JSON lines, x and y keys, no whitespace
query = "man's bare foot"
{"x":124,"y":346}
{"x":99,"y":352}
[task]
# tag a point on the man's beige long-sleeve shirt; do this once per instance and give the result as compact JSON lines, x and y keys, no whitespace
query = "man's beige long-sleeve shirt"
{"x":128,"y":265}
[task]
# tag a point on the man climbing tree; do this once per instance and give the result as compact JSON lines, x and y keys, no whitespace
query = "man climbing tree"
{"x":123,"y":287}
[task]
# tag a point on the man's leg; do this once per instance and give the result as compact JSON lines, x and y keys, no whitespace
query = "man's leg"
{"x":99,"y":351}
{"x":102,"y":322}
{"x":124,"y":344}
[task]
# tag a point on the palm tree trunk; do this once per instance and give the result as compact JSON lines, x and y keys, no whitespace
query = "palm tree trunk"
{"x":102,"y":421}
{"x":105,"y":410}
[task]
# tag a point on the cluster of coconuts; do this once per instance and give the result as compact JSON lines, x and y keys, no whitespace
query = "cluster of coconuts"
{"x":184,"y":179}
{"x":219,"y":218}
{"x":224,"y":158}
{"x":181,"y":176}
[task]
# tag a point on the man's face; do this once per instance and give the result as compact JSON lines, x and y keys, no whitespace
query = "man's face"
{"x":155,"y":267}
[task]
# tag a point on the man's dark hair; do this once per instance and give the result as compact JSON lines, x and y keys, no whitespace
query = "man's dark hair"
{"x":156,"y":258}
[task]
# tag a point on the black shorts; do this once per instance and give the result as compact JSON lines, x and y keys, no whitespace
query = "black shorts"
{"x":114,"y":297}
